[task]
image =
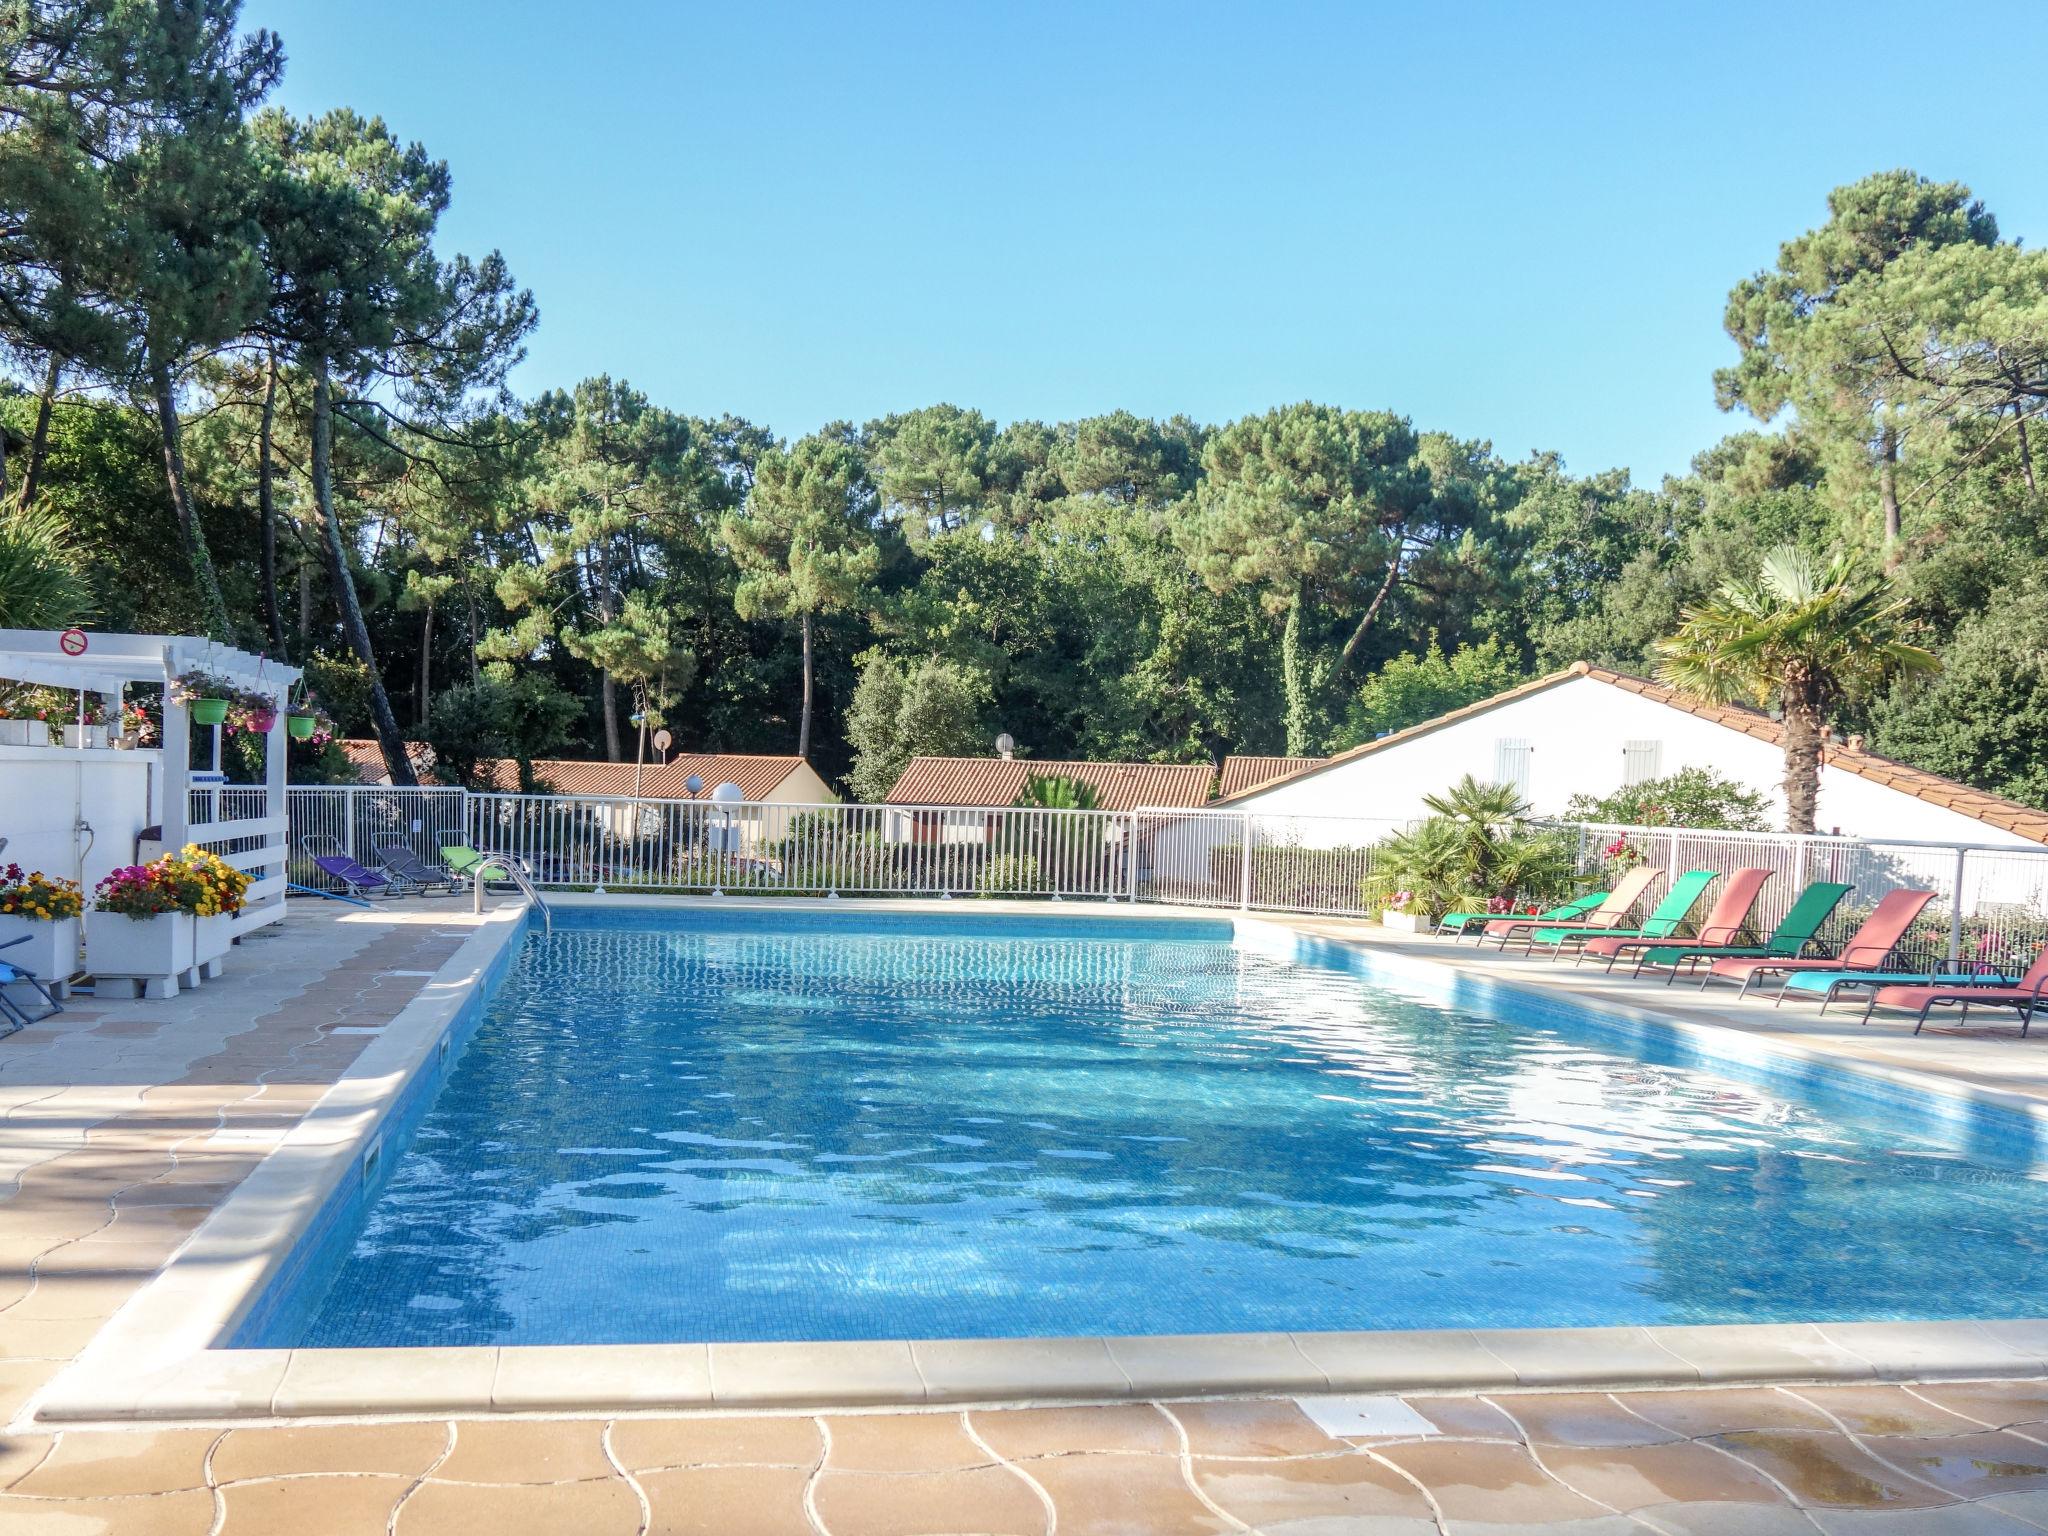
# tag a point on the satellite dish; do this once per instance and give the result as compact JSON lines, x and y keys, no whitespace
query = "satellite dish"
{"x":662,"y":740}
{"x":694,"y":784}
{"x":728,"y":794}
{"x":1006,"y":744}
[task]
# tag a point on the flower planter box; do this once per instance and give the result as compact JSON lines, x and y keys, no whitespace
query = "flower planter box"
{"x":212,"y":937}
{"x":131,"y":956}
{"x":1406,"y":922}
{"x":15,"y":733}
{"x":51,"y":953}
{"x":85,"y":735}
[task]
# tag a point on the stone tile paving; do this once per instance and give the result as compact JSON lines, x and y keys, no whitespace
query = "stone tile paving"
{"x":1964,"y":1458}
{"x":121,"y":1125}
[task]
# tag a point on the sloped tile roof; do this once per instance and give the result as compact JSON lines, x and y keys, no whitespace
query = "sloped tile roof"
{"x":1242,"y":773}
{"x":367,"y":758}
{"x":758,"y":777}
{"x":997,"y":781}
{"x":1951,"y":794}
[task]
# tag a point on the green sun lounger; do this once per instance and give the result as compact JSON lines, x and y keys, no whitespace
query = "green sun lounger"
{"x":1797,"y":929}
{"x":1457,"y":924}
{"x":460,"y":857}
{"x":1664,"y":921}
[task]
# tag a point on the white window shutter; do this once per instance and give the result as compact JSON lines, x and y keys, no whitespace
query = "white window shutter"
{"x":1641,"y":761}
{"x":1512,"y":762}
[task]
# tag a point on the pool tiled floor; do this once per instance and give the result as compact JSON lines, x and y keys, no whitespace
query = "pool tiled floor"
{"x":122,"y":1125}
{"x":1964,"y":1458}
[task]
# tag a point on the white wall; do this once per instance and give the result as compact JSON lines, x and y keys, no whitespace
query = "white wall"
{"x":1576,"y":733}
{"x":46,"y":791}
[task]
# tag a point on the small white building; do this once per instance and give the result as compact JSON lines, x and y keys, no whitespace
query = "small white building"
{"x":1587,"y":730}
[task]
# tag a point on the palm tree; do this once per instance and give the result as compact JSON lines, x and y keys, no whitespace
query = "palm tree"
{"x":41,"y":586}
{"x":1056,"y":792}
{"x":1805,"y":637}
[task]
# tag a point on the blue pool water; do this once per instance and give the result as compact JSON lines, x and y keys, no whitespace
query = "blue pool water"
{"x":674,"y":1126}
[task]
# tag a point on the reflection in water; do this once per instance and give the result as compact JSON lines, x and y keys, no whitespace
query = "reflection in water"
{"x":660,"y":1134}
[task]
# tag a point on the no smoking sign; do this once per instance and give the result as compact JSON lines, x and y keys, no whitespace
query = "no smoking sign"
{"x":72,"y":642}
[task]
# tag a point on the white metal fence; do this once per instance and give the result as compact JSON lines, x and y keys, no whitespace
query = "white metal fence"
{"x":1990,"y":902}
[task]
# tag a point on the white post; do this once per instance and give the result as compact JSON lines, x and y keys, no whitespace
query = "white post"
{"x":177,"y":817}
{"x":1955,"y":910}
{"x":1244,"y":868}
{"x":1131,"y":858}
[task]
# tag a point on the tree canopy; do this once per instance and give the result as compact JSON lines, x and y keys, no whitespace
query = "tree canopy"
{"x":245,"y":390}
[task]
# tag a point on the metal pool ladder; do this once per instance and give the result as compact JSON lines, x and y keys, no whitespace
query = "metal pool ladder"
{"x":514,"y":871}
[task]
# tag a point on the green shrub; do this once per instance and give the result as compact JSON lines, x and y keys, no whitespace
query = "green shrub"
{"x":1008,"y":873}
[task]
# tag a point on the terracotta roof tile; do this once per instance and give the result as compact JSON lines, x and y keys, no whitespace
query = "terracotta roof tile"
{"x":997,"y":781}
{"x":758,"y":777}
{"x":367,"y":758}
{"x":1242,"y":773}
{"x":1982,"y":805}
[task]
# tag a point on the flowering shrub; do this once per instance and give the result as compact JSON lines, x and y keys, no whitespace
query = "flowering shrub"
{"x":139,"y":891}
{"x":220,"y":887}
{"x":34,"y":894}
{"x":1622,"y":854}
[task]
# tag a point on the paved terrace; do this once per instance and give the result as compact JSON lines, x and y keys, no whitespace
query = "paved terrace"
{"x":122,"y":1125}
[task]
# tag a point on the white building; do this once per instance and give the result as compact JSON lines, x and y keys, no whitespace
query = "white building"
{"x":1586,"y":730}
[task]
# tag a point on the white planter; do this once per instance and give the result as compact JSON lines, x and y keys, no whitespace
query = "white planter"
{"x":51,"y":953}
{"x":212,"y":937}
{"x":14,"y":733}
{"x":149,"y":952}
{"x":85,"y":735}
{"x":1405,"y":922}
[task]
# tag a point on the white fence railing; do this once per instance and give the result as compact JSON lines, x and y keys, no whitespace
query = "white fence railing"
{"x":1990,"y":901}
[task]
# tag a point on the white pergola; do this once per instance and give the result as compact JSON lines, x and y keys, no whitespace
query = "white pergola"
{"x":244,"y":824}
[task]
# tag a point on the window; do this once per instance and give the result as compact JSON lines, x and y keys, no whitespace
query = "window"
{"x":1511,"y":763}
{"x":1641,"y":761}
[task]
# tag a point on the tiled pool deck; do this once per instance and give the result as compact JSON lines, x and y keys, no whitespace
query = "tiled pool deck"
{"x":123,"y":1125}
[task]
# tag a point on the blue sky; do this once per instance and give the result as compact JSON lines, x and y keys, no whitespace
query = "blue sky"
{"x":1517,"y":222}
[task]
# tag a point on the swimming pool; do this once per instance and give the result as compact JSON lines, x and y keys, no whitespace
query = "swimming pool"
{"x":754,"y":1124}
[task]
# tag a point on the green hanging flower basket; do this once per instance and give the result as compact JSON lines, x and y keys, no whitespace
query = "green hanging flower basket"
{"x":299,"y":727}
{"x":209,"y":711}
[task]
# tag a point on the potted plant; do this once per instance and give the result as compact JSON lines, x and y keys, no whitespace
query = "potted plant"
{"x":138,"y":726}
{"x":302,"y":717}
{"x":1398,"y":914}
{"x":139,"y":927}
{"x":85,"y":725}
{"x":14,"y":721}
{"x":206,"y":695}
{"x":253,"y":711}
{"x":214,"y":891}
{"x":43,"y":911}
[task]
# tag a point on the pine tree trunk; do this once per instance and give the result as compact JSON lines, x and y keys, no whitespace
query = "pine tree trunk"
{"x":211,"y":604}
{"x":803,"y":730}
{"x":1294,"y":680}
{"x":39,"y":442}
{"x":1802,"y":760}
{"x":1888,"y":492}
{"x":2026,"y":453}
{"x":266,"y":508}
{"x":426,"y":667}
{"x":469,"y":603}
{"x":609,"y":693}
{"x":389,"y":740}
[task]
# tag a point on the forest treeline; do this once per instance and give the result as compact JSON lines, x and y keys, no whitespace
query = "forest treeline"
{"x":250,"y":395}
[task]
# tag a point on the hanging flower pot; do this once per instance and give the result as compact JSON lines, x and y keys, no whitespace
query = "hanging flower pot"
{"x":209,"y":711}
{"x":299,"y":727}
